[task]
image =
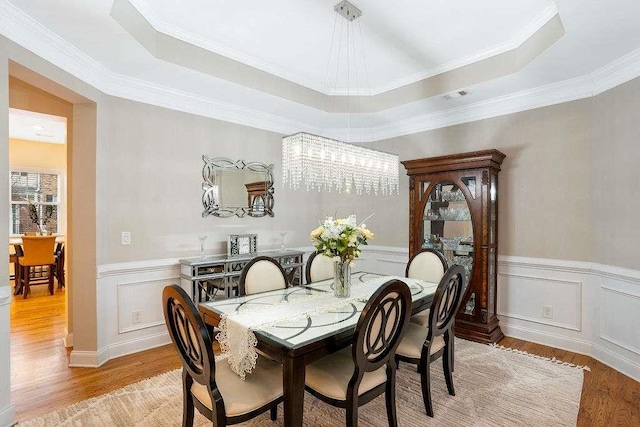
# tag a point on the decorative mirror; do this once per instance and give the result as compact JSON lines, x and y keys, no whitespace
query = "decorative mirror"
{"x":236,"y":188}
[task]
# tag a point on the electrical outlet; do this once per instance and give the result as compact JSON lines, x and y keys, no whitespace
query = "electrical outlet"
{"x":136,"y":316}
{"x":547,"y":311}
{"x":125,"y":238}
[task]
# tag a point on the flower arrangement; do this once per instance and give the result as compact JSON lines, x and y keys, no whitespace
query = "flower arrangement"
{"x":341,"y":238}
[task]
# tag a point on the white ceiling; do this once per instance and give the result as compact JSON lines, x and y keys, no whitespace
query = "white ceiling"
{"x":32,"y":126}
{"x":405,"y":41}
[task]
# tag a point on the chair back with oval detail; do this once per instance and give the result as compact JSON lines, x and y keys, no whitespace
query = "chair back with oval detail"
{"x":189,"y":334}
{"x":319,"y":267}
{"x":446,"y":301}
{"x":381,"y":326}
{"x":262,"y":274}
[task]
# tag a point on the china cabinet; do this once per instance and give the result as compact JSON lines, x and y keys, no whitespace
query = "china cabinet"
{"x":453,"y":208}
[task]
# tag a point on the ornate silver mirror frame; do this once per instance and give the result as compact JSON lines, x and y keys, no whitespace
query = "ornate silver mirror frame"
{"x":236,"y":188}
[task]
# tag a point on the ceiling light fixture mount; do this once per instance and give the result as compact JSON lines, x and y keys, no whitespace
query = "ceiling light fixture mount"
{"x":325,"y":163}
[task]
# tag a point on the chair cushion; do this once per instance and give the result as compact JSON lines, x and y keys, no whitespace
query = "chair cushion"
{"x":261,"y":386}
{"x":413,"y":340}
{"x":426,"y":266}
{"x":330,"y":375}
{"x":421,"y":318}
{"x":263,"y":276}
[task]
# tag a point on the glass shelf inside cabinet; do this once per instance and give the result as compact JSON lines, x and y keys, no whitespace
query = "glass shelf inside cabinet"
{"x":447,"y":225}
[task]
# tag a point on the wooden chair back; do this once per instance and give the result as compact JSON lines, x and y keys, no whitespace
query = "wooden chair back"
{"x":428,"y":265}
{"x":381,"y":325}
{"x":319,"y":267}
{"x":189,"y":334}
{"x":38,"y":250}
{"x":446,"y":301}
{"x":262,"y":274}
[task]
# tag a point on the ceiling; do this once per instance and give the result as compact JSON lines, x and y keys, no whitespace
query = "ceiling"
{"x":264,"y":64}
{"x":32,"y":126}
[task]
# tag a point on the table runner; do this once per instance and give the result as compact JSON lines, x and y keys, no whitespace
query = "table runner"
{"x":238,"y":340}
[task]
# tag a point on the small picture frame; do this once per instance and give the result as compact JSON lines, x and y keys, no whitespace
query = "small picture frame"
{"x":242,"y":244}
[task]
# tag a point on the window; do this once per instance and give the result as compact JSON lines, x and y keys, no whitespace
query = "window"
{"x":35,"y":202}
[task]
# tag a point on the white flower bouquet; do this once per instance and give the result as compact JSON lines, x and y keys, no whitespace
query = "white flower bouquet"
{"x":340,"y":238}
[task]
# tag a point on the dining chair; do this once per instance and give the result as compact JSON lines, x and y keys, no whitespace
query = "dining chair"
{"x":357,"y":374}
{"x":212,"y":387}
{"x":319,"y":267}
{"x":422,"y":345}
{"x":59,"y":272}
{"x":262,"y":274}
{"x":428,"y":265}
{"x":36,"y":260}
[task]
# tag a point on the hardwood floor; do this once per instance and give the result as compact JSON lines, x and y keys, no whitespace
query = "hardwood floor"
{"x":41,"y":382}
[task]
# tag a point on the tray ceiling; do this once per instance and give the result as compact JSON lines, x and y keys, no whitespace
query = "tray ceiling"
{"x":410,"y":47}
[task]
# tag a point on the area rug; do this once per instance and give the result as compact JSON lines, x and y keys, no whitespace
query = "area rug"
{"x":494,"y":387}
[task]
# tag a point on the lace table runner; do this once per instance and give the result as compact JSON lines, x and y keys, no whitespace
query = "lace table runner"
{"x":238,"y":340}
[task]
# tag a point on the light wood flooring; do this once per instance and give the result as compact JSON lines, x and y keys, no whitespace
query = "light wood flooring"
{"x":41,"y":382}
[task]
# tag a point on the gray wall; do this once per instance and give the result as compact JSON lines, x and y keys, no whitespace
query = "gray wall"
{"x":154,"y":169}
{"x":569,"y":184}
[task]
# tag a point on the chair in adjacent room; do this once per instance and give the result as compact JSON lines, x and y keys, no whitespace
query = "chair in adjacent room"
{"x":262,"y":274}
{"x":213,"y":388}
{"x":319,"y":267}
{"x":422,"y":345}
{"x":36,"y":264}
{"x":428,"y":265}
{"x":59,"y":272}
{"x":358,"y":374}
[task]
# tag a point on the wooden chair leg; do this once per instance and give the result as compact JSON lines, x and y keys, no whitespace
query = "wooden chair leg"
{"x":50,"y":279}
{"x":187,"y":400}
{"x":274,"y":412}
{"x":446,"y":367}
{"x":352,"y":413}
{"x":425,"y":380}
{"x":390,"y":397}
{"x":26,"y":273}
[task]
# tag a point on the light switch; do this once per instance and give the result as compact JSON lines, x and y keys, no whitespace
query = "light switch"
{"x":125,"y":238}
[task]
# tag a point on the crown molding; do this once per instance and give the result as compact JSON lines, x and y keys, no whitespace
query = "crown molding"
{"x":30,"y":34}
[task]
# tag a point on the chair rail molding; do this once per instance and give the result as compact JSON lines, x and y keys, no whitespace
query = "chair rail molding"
{"x":594,"y":305}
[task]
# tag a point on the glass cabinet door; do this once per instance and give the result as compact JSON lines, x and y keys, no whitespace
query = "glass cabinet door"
{"x":446,"y":223}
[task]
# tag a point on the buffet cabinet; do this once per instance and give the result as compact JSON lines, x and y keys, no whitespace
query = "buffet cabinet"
{"x":453,"y":208}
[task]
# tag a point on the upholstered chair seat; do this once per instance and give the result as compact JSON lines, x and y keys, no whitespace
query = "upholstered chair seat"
{"x":330,"y":375}
{"x":261,"y":386}
{"x":358,"y":374}
{"x":413,"y":341}
{"x":421,"y":318}
{"x":208,"y":385}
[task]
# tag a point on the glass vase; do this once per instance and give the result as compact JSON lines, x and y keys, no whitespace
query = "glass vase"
{"x":341,"y":279}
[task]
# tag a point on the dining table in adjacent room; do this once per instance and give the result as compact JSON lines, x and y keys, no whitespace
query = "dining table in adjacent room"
{"x":301,"y":324}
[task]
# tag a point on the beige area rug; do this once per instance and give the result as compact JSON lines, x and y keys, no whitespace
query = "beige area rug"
{"x":494,"y":387}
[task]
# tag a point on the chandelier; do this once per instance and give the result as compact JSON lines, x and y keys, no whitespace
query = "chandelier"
{"x":328,"y":164}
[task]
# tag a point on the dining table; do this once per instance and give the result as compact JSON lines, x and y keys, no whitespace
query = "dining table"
{"x":298,"y":340}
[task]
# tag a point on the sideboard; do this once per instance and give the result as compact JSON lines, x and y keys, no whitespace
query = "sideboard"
{"x":210,"y":275}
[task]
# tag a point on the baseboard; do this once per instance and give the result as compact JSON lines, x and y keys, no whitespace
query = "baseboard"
{"x":545,"y":338}
{"x":67,"y":339}
{"x":617,"y":362}
{"x":88,"y":359}
{"x":138,"y":344}
{"x":5,"y":295}
{"x":7,"y":416}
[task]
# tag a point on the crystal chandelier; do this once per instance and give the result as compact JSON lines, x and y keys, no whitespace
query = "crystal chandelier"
{"x":328,"y":164}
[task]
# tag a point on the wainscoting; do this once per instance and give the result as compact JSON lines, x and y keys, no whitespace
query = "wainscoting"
{"x":592,"y":309}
